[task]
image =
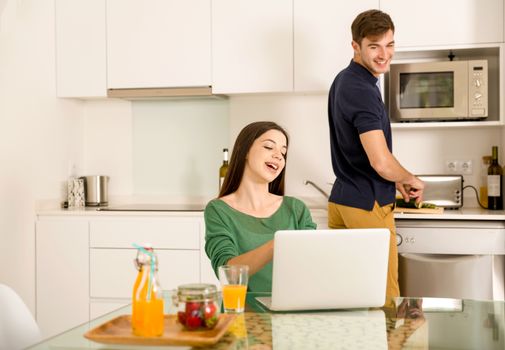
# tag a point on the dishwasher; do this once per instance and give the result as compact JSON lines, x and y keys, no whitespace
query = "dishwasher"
{"x":463,"y":259}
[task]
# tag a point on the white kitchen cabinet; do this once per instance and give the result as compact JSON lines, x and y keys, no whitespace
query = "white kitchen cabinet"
{"x":176,"y":241}
{"x":175,"y":233}
{"x":252,"y":46}
{"x":322,"y":40}
{"x":160,"y":232}
{"x":112,"y":272}
{"x":80,"y":48}
{"x":62,"y":270}
{"x":158,"y":43}
{"x":85,"y":262}
{"x":449,"y":22}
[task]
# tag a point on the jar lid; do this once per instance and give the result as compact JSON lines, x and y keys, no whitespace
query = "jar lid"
{"x":196,"y":292}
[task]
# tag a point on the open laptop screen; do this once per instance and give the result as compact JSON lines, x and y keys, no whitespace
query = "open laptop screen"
{"x":329,"y":269}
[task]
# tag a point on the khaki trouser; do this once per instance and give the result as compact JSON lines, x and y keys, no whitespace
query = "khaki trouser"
{"x":341,"y":216}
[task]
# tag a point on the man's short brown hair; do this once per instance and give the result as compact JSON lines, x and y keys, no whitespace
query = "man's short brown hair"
{"x":371,"y":23}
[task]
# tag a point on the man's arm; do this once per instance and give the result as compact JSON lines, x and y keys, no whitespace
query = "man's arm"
{"x":388,"y":167}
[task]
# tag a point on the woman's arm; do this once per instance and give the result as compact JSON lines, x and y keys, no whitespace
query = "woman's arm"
{"x":259,"y":257}
{"x":256,"y":259}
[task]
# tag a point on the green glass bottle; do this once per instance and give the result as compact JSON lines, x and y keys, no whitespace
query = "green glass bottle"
{"x":224,"y":168}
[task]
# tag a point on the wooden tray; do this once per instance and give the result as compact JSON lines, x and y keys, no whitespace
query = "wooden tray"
{"x":119,"y":331}
{"x":437,"y":210}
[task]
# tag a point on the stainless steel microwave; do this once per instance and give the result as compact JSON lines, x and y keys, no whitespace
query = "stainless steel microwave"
{"x":442,"y":90}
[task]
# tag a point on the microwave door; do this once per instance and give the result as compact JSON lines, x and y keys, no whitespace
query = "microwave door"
{"x":429,"y":91}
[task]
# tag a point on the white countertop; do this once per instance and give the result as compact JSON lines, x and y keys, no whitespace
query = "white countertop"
{"x":86,"y":212}
{"x":183,"y":209}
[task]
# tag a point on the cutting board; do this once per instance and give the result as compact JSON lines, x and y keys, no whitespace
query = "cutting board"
{"x":437,"y":210}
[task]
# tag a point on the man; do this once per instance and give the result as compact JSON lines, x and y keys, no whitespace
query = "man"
{"x":363,"y":194}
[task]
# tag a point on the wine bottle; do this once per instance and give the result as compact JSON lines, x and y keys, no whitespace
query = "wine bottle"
{"x":224,"y":168}
{"x":486,"y":161}
{"x":494,"y":183}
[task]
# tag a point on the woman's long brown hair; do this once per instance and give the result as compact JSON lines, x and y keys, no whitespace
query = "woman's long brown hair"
{"x":243,"y":143}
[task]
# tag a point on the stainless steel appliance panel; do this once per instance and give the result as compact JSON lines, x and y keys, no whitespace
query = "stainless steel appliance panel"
{"x":443,"y":190}
{"x":96,"y":190}
{"x":452,"y":258}
{"x":454,"y":276}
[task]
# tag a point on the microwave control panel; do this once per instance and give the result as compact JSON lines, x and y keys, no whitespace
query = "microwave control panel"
{"x":478,"y":94}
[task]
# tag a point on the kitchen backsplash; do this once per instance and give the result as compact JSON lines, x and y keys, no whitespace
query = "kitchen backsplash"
{"x":174,"y":147}
{"x":177,"y":146}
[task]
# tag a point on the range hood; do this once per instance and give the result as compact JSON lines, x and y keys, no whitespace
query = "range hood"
{"x":160,"y":93}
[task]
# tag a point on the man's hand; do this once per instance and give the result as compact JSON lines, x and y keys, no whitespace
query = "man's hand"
{"x":412,"y":189}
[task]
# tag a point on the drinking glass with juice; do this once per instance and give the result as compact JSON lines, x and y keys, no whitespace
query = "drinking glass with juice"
{"x":234,"y":297}
{"x":233,"y":279}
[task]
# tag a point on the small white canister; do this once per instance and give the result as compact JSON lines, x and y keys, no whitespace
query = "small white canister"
{"x":75,"y":193}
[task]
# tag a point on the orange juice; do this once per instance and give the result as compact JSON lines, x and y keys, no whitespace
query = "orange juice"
{"x":147,"y":315}
{"x":234,"y":297}
{"x":148,"y":321}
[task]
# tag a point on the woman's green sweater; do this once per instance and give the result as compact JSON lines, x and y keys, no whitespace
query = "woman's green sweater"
{"x":229,"y":233}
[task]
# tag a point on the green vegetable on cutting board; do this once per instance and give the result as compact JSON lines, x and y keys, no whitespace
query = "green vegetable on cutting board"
{"x":400,"y":202}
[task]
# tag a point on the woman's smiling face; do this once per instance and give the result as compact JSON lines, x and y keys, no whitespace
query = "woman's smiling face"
{"x":266,"y":158}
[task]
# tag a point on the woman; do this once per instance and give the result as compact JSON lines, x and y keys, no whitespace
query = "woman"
{"x":251,"y":207}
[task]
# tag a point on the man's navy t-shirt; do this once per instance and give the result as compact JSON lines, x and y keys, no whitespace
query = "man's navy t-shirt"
{"x":355,"y":106}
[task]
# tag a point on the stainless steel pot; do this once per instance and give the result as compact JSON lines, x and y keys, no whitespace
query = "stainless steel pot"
{"x":96,"y":190}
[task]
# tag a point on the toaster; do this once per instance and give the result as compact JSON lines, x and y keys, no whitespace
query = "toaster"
{"x":443,"y":190}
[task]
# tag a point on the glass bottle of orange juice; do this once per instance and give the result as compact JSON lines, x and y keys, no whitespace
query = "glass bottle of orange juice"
{"x":147,"y":300}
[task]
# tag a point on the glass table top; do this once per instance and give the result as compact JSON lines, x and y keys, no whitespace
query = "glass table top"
{"x":407,"y":323}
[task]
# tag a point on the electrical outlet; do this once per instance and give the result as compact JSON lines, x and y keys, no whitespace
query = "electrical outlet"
{"x":457,"y":166}
{"x":452,"y":166}
{"x":466,"y":167}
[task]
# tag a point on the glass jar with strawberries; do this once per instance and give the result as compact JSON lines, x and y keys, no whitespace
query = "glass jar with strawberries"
{"x":197,"y":306}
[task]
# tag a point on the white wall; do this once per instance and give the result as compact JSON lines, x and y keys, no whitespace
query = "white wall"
{"x":39,"y":135}
{"x":305,"y":119}
{"x":422,"y":151}
{"x":107,"y":143}
{"x":425,"y":151}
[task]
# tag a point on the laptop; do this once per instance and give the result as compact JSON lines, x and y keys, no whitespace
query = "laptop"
{"x":329,"y":269}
